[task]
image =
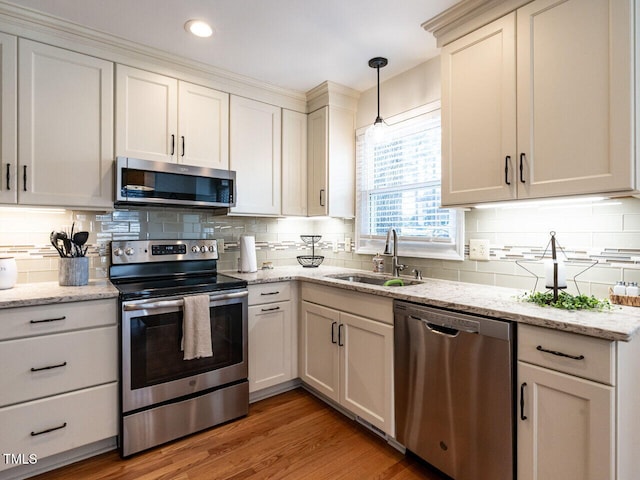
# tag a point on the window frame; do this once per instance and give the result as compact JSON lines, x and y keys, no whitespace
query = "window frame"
{"x":417,"y":247}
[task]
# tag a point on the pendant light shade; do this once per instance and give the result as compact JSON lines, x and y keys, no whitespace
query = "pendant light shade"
{"x":379,"y":126}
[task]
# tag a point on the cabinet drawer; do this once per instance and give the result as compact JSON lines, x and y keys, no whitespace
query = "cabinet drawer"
{"x":47,"y":365}
{"x":85,"y":416}
{"x":535,"y":345}
{"x":269,"y":293}
{"x":55,"y":318}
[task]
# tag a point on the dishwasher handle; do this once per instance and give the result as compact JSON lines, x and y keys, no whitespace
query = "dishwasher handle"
{"x":441,"y":330}
{"x":447,"y":328}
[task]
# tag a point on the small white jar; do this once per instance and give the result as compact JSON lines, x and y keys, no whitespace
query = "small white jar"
{"x":632,"y":289}
{"x":8,"y":272}
{"x":620,"y":288}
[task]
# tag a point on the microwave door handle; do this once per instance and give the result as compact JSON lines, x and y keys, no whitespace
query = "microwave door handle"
{"x":179,"y":303}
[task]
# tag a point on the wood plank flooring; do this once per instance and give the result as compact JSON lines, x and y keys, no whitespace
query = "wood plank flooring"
{"x":291,"y":436}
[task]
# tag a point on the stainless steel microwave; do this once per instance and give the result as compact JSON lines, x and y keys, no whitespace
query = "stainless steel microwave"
{"x":143,"y":182}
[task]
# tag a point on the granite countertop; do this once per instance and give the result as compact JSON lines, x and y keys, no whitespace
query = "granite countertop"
{"x":43,"y":293}
{"x":619,"y":323}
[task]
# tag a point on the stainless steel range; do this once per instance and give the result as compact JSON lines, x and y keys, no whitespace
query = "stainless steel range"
{"x":163,"y":396}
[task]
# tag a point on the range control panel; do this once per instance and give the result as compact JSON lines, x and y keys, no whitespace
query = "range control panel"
{"x":145,"y":251}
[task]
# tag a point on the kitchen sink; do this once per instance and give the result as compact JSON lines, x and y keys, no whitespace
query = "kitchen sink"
{"x":374,"y":280}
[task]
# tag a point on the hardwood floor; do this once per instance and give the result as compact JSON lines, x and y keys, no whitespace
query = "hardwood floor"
{"x":290,"y":436}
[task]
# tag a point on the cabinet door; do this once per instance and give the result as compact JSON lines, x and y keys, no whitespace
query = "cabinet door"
{"x":8,"y":119}
{"x":575,"y":102}
{"x":294,"y":163}
{"x":270,"y":352}
{"x":318,"y":158}
{"x":568,"y":433}
{"x":255,"y":155}
{"x":367,"y":362}
{"x":146,"y":115}
{"x":479,"y":115}
{"x":203,"y":126}
{"x":65,"y":127}
{"x":320,"y":360}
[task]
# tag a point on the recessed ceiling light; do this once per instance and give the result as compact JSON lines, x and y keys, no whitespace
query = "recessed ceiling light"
{"x":199,"y":28}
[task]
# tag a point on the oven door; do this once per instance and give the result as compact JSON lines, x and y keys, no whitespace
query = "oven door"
{"x":153,"y":369}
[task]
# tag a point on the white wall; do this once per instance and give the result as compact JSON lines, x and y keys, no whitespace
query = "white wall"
{"x":415,"y":87}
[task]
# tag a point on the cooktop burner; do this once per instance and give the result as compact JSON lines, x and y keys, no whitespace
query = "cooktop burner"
{"x":161,"y":268}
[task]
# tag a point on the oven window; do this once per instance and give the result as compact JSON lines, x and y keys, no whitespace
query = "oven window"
{"x":156,"y":356}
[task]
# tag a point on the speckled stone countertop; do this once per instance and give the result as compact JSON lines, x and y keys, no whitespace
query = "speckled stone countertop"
{"x":43,"y":293}
{"x":619,"y":323}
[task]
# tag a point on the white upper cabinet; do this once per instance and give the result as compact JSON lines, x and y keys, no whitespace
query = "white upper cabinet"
{"x":8,"y":119}
{"x":164,"y":119}
{"x":331,"y":161}
{"x":203,"y":126}
{"x":294,"y":163}
{"x":65,"y":130}
{"x":569,"y":128}
{"x":255,"y":156}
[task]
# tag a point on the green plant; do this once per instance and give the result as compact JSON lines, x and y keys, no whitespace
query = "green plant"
{"x":567,"y":301}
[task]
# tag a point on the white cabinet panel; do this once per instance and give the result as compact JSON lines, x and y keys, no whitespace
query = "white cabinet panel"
{"x":146,"y":114}
{"x":294,"y":163}
{"x":568,"y":432}
{"x":8,"y":119}
{"x":203,"y":126}
{"x":255,"y":155}
{"x":65,"y":134}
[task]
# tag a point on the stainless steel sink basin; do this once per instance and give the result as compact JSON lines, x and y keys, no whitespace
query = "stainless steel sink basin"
{"x":373,"y":280}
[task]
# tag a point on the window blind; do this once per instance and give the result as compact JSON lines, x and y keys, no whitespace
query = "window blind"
{"x":398,"y":183}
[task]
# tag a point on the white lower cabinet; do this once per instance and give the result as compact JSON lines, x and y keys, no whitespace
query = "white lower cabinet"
{"x":59,"y":373}
{"x":272,"y":336}
{"x":347,"y":356}
{"x":577,"y":410}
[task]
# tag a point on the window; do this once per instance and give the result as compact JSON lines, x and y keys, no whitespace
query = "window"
{"x":398,"y":185}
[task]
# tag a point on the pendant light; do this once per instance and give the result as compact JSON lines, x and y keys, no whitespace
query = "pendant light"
{"x":379,"y":125}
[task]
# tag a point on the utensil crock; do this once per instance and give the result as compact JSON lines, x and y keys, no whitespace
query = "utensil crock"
{"x":8,"y":272}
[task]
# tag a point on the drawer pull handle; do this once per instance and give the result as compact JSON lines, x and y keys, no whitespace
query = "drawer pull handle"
{"x":522,"y":415}
{"x":507,"y":159}
{"x":559,"y":354}
{"x":63,"y":364}
{"x":272,"y":309}
{"x":48,"y":430}
{"x":333,"y":332}
{"x":269,"y":293}
{"x":340,"y":344}
{"x":48,"y":320}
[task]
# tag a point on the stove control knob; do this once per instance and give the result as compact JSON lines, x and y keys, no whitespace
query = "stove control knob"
{"x":118,"y":252}
{"x":203,"y":249}
{"x":195,"y":249}
{"x":129,"y":251}
{"x":212,"y":248}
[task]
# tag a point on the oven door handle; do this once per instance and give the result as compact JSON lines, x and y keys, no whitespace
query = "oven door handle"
{"x":179,"y":303}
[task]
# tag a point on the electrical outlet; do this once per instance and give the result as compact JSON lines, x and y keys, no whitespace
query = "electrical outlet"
{"x":335,"y":246}
{"x":478,"y":249}
{"x":220,"y":245}
{"x":347,"y":244}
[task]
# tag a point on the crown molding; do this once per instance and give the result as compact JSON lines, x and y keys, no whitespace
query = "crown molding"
{"x":466,"y":16}
{"x":332,"y":94}
{"x":34,"y":25}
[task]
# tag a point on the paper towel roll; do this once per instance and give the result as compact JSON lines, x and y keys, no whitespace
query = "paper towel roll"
{"x":248,"y":261}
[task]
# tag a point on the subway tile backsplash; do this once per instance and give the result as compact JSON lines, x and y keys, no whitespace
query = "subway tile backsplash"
{"x":605,"y":233}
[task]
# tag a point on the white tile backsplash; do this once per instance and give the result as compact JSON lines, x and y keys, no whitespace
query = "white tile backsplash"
{"x":608,"y":232}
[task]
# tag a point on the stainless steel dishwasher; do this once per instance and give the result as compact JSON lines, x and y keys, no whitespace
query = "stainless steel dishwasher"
{"x":454,"y":391}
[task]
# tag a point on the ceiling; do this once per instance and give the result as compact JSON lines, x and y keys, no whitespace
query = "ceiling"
{"x":295,"y":44}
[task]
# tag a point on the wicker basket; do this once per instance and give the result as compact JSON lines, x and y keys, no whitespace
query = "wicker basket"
{"x":630,"y":301}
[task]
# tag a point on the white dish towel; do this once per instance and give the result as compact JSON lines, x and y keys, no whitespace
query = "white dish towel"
{"x":196,"y":327}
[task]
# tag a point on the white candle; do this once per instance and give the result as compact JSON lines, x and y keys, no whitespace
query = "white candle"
{"x":548,"y":273}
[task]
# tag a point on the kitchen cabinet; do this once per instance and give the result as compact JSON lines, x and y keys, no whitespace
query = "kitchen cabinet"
{"x":272,"y":336}
{"x":574,"y":407}
{"x":8,"y":118}
{"x":331,"y":160}
{"x":164,"y":119}
{"x":294,"y":163}
{"x":255,"y":156}
{"x":346,"y":351}
{"x":60,"y":365}
{"x":539,"y":103}
{"x":65,"y":128}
